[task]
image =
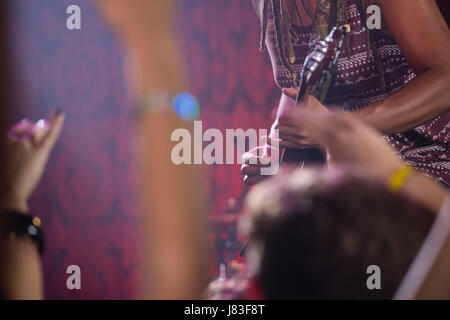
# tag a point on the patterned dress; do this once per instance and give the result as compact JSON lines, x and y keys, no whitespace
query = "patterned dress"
{"x":358,"y":85}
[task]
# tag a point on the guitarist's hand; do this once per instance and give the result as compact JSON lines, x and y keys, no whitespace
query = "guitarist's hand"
{"x":350,"y":142}
{"x":256,"y":159}
{"x":292,"y":134}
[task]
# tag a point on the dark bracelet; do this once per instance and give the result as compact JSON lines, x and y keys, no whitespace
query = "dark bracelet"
{"x":22,"y":225}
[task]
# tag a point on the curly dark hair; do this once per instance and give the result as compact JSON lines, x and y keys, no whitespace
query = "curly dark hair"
{"x":318,"y":231}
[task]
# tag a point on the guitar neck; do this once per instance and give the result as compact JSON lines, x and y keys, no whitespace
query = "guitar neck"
{"x":315,"y":80}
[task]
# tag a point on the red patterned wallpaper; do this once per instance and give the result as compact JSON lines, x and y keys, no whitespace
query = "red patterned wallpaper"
{"x":87,"y":197}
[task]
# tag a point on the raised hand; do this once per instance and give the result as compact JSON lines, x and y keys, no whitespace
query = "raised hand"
{"x":26,"y":153}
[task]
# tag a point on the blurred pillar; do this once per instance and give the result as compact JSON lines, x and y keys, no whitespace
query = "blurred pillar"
{"x":5,"y":61}
{"x":444,"y":5}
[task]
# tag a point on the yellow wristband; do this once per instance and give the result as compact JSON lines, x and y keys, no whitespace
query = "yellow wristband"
{"x":399,"y":177}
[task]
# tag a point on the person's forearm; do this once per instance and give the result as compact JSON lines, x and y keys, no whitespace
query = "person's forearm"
{"x":10,"y":200}
{"x":174,"y":224}
{"x":21,"y":275}
{"x":20,"y":265}
{"x":426,"y":191}
{"x":158,"y":67}
{"x":174,"y":211}
{"x":175,"y":219}
{"x":423,"y":99}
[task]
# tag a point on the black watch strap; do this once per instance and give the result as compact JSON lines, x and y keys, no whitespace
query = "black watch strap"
{"x":22,"y":225}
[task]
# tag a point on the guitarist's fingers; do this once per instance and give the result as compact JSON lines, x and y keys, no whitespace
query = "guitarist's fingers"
{"x":252,"y":160}
{"x":252,"y":180}
{"x":291,"y":118}
{"x":291,"y":93}
{"x":250,"y":170}
{"x":273,"y":142}
{"x":321,"y":128}
{"x":287,"y":120}
{"x":293,"y":139}
{"x":55,"y":126}
{"x":288,"y":145}
{"x":297,"y":142}
{"x":290,"y":131}
{"x":292,"y":143}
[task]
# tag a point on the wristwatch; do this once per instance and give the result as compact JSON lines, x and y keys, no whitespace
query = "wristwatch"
{"x":22,"y":225}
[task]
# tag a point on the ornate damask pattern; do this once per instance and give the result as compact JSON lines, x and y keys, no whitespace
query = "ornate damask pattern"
{"x":233,"y":80}
{"x":87,"y":198}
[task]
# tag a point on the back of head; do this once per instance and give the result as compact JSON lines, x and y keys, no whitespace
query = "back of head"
{"x":314,"y":235}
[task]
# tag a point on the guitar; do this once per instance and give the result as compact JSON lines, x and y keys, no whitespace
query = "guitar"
{"x":315,"y":80}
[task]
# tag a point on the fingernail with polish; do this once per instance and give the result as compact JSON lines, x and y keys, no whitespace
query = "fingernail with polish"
{"x":41,"y":124}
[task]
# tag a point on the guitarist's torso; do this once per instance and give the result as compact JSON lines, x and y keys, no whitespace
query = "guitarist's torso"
{"x":357,"y":80}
